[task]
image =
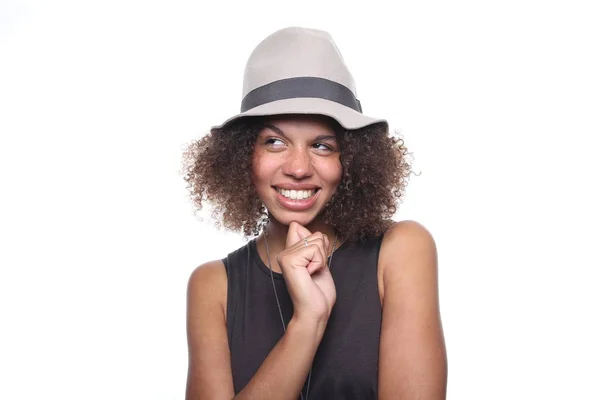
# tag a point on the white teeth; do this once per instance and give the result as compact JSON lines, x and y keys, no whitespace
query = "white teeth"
{"x":297,"y":194}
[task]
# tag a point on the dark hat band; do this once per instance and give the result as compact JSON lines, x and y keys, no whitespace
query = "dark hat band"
{"x":305,"y":86}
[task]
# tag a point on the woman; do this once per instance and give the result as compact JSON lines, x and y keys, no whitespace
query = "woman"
{"x":330,"y":299}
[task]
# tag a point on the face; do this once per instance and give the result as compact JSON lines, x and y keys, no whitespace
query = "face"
{"x":296,"y":167}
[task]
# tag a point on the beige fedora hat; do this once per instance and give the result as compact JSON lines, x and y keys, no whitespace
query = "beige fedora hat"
{"x":298,"y":70}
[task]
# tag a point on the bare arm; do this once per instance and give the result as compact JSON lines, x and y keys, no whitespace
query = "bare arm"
{"x":412,"y":358}
{"x":209,"y":367}
{"x":281,"y":375}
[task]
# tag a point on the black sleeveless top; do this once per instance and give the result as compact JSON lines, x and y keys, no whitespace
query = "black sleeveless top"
{"x":345,"y":365}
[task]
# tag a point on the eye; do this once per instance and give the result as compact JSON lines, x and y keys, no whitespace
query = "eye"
{"x":322,"y":146}
{"x":274,"y":143}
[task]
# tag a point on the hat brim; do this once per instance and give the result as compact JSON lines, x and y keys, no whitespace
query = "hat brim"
{"x":347,"y":117}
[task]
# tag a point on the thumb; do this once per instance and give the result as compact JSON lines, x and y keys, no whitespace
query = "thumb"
{"x":296,"y":232}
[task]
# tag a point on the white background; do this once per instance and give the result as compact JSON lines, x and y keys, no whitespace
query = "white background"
{"x":498,"y":101}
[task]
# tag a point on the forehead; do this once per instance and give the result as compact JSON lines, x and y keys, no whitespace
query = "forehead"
{"x":296,"y":122}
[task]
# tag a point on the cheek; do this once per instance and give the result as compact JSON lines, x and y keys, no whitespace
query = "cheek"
{"x":262,"y":168}
{"x":257,"y":177}
{"x":331,"y":171}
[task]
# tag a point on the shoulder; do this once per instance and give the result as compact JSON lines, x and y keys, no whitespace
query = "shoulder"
{"x":208,"y":284}
{"x":206,"y":273}
{"x":215,"y":272}
{"x":407,"y":236}
{"x":209,"y":369}
{"x":407,"y":246}
{"x":412,"y":356}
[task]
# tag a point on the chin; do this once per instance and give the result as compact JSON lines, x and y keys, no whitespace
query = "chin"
{"x":303,"y":220}
{"x":286,"y":217}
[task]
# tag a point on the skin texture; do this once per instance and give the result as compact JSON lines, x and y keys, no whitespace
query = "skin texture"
{"x":412,"y":354}
{"x":291,"y":152}
{"x":375,"y":165}
{"x":412,"y":360}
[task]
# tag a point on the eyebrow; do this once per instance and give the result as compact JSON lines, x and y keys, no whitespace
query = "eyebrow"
{"x":274,"y":128}
{"x":317,"y":139}
{"x":321,"y":138}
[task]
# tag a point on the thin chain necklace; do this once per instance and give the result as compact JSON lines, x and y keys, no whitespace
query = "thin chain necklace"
{"x":279,"y":304}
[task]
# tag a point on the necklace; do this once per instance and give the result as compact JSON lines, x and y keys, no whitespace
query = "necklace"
{"x":279,"y":304}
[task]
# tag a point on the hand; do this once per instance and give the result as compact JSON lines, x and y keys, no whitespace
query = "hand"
{"x":306,"y":274}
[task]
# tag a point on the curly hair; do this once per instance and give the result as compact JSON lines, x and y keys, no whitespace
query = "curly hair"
{"x":375,"y":171}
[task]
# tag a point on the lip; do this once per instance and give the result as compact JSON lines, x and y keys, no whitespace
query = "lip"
{"x":297,"y":205}
{"x":296,"y":186}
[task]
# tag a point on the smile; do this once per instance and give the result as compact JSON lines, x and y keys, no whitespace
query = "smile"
{"x":296,"y":194}
{"x":297,"y":200}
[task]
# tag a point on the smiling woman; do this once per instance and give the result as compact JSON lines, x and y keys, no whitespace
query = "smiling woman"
{"x":373,"y":164}
{"x":296,"y":167}
{"x":330,"y":298}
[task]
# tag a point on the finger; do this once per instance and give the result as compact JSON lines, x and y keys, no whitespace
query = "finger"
{"x":316,"y":237}
{"x":326,"y":239}
{"x":314,"y":255}
{"x":296,"y":232}
{"x":310,"y":256}
{"x":318,"y":260}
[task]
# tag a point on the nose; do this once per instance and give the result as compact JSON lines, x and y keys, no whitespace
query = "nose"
{"x":298,"y":163}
